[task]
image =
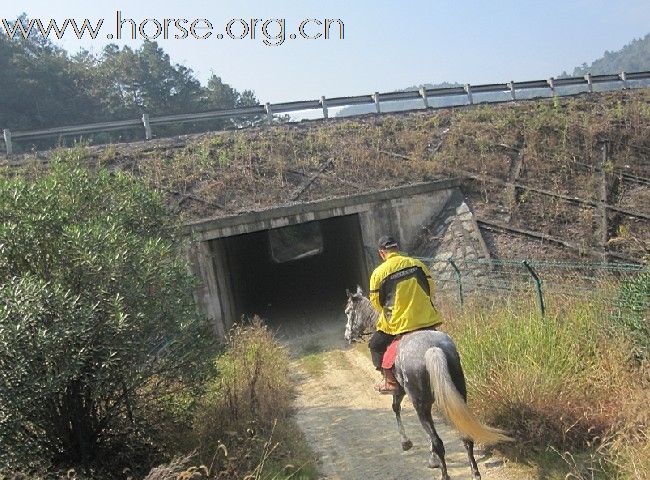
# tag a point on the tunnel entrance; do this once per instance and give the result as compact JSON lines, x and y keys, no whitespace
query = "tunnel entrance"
{"x":302,"y":275}
{"x":306,"y":286}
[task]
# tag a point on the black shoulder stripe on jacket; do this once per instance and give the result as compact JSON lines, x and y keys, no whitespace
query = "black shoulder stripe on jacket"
{"x":388,"y":285}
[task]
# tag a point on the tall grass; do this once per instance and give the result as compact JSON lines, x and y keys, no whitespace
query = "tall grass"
{"x":567,"y":381}
{"x":242,"y":425}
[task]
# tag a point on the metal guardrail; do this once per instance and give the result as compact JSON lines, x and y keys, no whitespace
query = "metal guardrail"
{"x":325,"y":104}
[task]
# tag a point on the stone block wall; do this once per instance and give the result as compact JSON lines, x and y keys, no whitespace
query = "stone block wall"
{"x":454,"y":236}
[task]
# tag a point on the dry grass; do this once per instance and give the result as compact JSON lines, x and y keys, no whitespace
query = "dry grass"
{"x":566,"y":382}
{"x":243,"y":424}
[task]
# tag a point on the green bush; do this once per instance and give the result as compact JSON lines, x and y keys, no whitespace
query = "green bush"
{"x":95,"y":307}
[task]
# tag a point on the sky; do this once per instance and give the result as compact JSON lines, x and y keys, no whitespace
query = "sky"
{"x":387,"y":45}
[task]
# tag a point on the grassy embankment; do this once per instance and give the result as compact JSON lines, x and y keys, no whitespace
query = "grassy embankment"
{"x":568,"y":386}
{"x":554,"y":145}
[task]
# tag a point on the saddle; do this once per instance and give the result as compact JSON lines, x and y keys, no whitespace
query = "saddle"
{"x":388,"y":360}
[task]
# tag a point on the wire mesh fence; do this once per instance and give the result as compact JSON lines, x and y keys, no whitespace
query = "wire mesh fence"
{"x":623,"y":286}
{"x":538,"y":278}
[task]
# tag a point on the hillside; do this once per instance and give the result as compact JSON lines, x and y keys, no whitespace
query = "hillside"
{"x":633,"y":57}
{"x":539,"y":167}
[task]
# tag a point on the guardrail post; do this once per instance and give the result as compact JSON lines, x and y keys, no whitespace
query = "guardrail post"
{"x":375,"y":97}
{"x":324,"y":105}
{"x":459,"y":280}
{"x":147,"y":126}
{"x":538,"y":286}
{"x":7,"y":134}
{"x":423,"y":94}
{"x":590,"y":85}
{"x":623,"y":76}
{"x":468,"y":89}
{"x":269,"y":113}
{"x":511,"y":84}
{"x":551,"y":84}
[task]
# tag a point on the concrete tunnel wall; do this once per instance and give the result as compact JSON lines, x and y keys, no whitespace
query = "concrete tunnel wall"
{"x":231,"y":256}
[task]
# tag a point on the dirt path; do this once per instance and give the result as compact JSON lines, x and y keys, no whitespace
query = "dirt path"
{"x":354,"y":430}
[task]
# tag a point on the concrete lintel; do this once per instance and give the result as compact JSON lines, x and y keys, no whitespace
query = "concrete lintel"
{"x":212,"y":228}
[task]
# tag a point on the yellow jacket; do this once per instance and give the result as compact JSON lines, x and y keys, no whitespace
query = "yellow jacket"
{"x":401,"y":290}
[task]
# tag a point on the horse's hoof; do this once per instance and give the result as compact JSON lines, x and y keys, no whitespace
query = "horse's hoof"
{"x":433,"y":463}
{"x":407,"y":445}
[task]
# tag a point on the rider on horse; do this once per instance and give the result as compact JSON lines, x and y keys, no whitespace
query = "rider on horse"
{"x":401,"y":289}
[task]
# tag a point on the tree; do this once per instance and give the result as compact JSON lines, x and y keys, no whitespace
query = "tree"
{"x":95,"y":306}
{"x":38,"y":88}
{"x":219,"y":95}
{"x":42,"y":86}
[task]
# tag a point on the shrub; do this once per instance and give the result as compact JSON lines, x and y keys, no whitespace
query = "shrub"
{"x":96,"y":306}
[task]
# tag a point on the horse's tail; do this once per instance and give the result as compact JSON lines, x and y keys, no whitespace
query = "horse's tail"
{"x":451,"y":403}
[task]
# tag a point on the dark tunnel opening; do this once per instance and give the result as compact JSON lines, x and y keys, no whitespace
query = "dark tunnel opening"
{"x":306,"y":288}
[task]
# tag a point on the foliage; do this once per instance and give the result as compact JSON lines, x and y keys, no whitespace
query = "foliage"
{"x":243,"y":424}
{"x":43,"y":86}
{"x":96,"y":309}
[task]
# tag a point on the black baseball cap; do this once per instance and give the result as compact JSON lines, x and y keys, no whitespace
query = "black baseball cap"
{"x":387,"y":242}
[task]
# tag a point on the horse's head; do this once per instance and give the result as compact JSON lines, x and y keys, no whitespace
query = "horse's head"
{"x":355,"y":325}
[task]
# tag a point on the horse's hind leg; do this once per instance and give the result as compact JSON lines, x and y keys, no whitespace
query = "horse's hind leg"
{"x":469,"y":446}
{"x":423,"y":410}
{"x":397,"y":408}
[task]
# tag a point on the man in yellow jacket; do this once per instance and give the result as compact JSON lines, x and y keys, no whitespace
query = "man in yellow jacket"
{"x":401,"y":289}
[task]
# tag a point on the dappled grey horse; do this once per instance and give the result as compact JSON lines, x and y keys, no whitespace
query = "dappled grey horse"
{"x":428,"y":369}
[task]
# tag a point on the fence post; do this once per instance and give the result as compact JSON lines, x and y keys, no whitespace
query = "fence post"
{"x":324,"y":105}
{"x":423,"y":94}
{"x":551,"y":84}
{"x":459,"y":280}
{"x":468,"y":89}
{"x":147,"y":126}
{"x":511,"y":84}
{"x":7,"y":134}
{"x":538,"y":286}
{"x":623,"y":76}
{"x":590,"y":85}
{"x":375,"y":97}
{"x":269,"y":113}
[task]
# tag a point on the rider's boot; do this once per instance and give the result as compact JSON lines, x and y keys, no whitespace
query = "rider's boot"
{"x":389,"y":386}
